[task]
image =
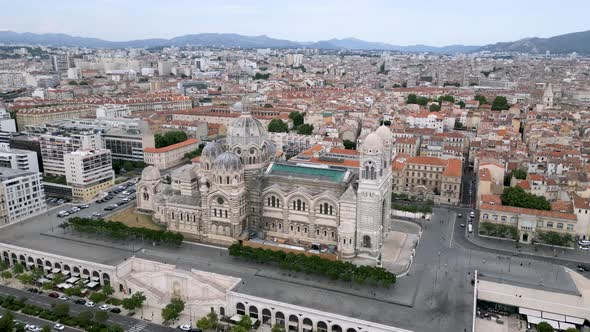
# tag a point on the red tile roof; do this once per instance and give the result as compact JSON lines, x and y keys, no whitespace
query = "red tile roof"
{"x":172,"y":147}
{"x":542,"y":213}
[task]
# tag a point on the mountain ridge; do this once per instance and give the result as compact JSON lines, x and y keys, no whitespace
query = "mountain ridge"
{"x":567,"y":43}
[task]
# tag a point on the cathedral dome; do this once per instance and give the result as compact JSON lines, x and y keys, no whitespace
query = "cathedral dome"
{"x":212,"y":150}
{"x":150,"y":173}
{"x":227,"y":162}
{"x":384,"y":133}
{"x":372,"y":142}
{"x":246,"y":130}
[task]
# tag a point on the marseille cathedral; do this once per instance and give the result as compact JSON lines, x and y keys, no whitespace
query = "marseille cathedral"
{"x":238,"y":190}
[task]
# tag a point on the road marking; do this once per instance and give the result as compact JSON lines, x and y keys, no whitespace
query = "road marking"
{"x":452,"y":231}
{"x":205,"y":245}
{"x":138,"y":327}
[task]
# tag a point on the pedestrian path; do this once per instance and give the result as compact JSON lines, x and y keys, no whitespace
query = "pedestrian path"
{"x":138,"y":327}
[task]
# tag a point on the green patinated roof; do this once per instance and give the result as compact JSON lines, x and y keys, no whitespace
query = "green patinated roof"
{"x":328,"y":174}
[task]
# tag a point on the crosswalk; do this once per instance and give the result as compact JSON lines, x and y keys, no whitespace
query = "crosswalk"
{"x":138,"y":327}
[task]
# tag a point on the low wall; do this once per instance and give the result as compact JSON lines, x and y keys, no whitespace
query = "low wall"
{"x":415,"y":215}
{"x":287,"y":250}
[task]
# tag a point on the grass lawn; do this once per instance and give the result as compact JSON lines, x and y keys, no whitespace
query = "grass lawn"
{"x":132,"y":219}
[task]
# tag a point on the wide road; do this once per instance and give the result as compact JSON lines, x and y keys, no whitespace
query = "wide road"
{"x":44,"y":301}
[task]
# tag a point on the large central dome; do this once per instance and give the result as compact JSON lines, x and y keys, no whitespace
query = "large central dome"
{"x":245,"y":130}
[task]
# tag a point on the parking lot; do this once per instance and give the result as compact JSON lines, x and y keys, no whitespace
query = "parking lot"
{"x":117,"y":197}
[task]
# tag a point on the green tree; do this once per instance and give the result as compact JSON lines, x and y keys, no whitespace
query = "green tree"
{"x":72,"y":83}
{"x":516,"y":196}
{"x":278,"y":126}
{"x":434,"y":108}
{"x":305,"y":129}
{"x":349,"y":145}
{"x":85,"y":317}
{"x":101,"y":316}
{"x":297,"y":118}
{"x":422,"y":101}
{"x":448,"y":98}
{"x":461,"y":104}
{"x":18,"y":268}
{"x":97,"y":297}
{"x":245,"y":322}
{"x":519,"y":174}
{"x":500,"y":103}
{"x":135,"y":301}
{"x":169,"y":138}
{"x":108,"y":290}
{"x":73,"y":291}
{"x":544,"y":327}
{"x":385,"y":123}
{"x":412,"y":99}
{"x":83,"y":83}
{"x":267,"y":105}
{"x":26,"y":279}
{"x":482,"y":100}
{"x":172,"y":310}
{"x":277,"y":328}
{"x":208,"y":322}
{"x":7,"y":322}
{"x":3,"y":266}
{"x":6,"y":275}
{"x":571,"y":329}
{"x":61,"y":310}
{"x":382,"y":68}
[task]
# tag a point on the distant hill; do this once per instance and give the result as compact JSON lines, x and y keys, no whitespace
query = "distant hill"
{"x":219,"y":40}
{"x":572,"y":42}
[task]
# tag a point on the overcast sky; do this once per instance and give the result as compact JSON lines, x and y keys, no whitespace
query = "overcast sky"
{"x":405,"y":22}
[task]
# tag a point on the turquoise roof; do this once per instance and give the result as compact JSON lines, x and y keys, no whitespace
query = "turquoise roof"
{"x":329,"y":174}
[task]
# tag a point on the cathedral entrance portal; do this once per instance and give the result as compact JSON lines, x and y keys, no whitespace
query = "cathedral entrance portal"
{"x":366,"y":241}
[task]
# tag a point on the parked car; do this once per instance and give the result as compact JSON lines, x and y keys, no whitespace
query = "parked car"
{"x":90,"y":304}
{"x":111,"y":207}
{"x":583,"y":268}
{"x":80,"y":301}
{"x":184,"y":327}
{"x":83,"y":206}
{"x":115,"y":310}
{"x":584,"y":242}
{"x":63,"y":298}
{"x":97,"y":214}
{"x":104,"y":307}
{"x":459,"y":215}
{"x":53,"y":294}
{"x":585,"y":248}
{"x":58,"y":327}
{"x":64,"y":214}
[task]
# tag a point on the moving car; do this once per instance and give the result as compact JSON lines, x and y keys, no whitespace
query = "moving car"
{"x":115,"y":310}
{"x":460,"y":215}
{"x":63,"y":298}
{"x":104,"y":307}
{"x":90,"y":304}
{"x":83,"y":206}
{"x":585,"y":248}
{"x":53,"y":295}
{"x":583,"y":268}
{"x":471,"y":214}
{"x":184,"y":327}
{"x":80,"y":301}
{"x":58,"y":327}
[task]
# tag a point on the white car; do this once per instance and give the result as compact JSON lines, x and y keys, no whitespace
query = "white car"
{"x":32,"y":328}
{"x":584,"y":242}
{"x":58,"y":327}
{"x":90,"y":304}
{"x":584,"y":248}
{"x":104,"y":307}
{"x":63,"y":298}
{"x":185,"y":327}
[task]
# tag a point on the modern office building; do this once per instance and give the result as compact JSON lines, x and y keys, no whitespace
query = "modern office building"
{"x":21,"y":195}
{"x":128,"y":143}
{"x":7,"y":123}
{"x":23,"y":160}
{"x":89,"y":172}
{"x":55,"y":146}
{"x":28,"y":143}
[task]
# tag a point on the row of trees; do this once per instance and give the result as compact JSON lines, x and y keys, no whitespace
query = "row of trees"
{"x":260,"y":76}
{"x":278,"y":126}
{"x":196,"y":153}
{"x":545,"y":327}
{"x":314,"y":264}
{"x":169,"y":138}
{"x":555,"y":238}
{"x":85,"y":320}
{"x":119,"y":231}
{"x":498,"y":230}
{"x":516,"y":196}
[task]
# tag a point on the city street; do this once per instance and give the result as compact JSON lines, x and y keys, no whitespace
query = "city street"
{"x":45,"y":301}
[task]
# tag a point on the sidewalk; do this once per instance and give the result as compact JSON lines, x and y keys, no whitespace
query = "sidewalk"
{"x":530,"y":249}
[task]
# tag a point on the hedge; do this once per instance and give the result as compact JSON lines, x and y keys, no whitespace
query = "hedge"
{"x":335,"y":270}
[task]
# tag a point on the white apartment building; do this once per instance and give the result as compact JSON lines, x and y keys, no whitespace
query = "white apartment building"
{"x":24,"y":160}
{"x":55,"y":147}
{"x":21,"y":195}
{"x":89,"y":172}
{"x":112,"y":111}
{"x":431,"y":120}
{"x":7,"y":123}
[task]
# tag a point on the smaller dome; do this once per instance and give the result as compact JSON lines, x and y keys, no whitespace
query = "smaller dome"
{"x":150,"y":173}
{"x":384,"y":133}
{"x":212,"y":150}
{"x":373,"y":141}
{"x":227,"y":162}
{"x":271,"y":149}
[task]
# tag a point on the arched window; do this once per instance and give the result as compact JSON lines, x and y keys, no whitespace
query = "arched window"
{"x":291,"y":228}
{"x":366,"y":172}
{"x":215,"y":212}
{"x":268,"y":199}
{"x":226,"y":213}
{"x":298,"y":205}
{"x":373,"y":176}
{"x":298,"y":229}
{"x":227,"y":179}
{"x":294,"y":205}
{"x":280,"y":226}
{"x":273,"y":201}
{"x":330,"y":209}
{"x":321,"y":208}
{"x":305,"y":230}
{"x":332,"y":234}
{"x":172,"y":217}
{"x":325,"y":233}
